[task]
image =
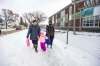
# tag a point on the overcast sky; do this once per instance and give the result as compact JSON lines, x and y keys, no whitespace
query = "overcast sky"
{"x":47,"y":6}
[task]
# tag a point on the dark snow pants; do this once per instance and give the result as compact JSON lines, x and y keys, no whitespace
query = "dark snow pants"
{"x":51,"y":40}
{"x":35,"y":44}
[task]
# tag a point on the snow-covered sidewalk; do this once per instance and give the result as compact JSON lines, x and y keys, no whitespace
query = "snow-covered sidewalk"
{"x":9,"y":29}
{"x":82,"y":50}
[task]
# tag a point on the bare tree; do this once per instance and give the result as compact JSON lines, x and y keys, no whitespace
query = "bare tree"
{"x":9,"y":16}
{"x":38,"y":16}
{"x":28,"y":17}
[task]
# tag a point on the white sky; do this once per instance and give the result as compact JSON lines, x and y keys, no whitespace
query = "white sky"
{"x":49,"y":7}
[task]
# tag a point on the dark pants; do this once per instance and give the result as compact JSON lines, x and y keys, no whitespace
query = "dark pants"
{"x":51,"y":40}
{"x":35,"y":44}
{"x":43,"y":47}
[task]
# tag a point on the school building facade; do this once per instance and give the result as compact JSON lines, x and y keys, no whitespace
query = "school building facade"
{"x":82,"y":15}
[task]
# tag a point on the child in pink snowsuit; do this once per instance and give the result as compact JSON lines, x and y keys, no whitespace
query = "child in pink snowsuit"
{"x":42,"y":41}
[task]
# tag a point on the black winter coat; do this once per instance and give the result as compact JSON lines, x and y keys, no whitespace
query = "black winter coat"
{"x":50,"y":30}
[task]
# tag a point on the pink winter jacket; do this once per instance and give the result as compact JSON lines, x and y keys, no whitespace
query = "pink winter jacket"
{"x":42,"y":38}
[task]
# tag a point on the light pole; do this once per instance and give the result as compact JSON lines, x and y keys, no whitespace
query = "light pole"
{"x":67,"y":31}
{"x":74,"y":24}
{"x":67,"y":27}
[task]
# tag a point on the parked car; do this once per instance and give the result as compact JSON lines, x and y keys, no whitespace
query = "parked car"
{"x":18,"y":28}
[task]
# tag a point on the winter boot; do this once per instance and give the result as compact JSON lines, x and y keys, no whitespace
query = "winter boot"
{"x":35,"y":46}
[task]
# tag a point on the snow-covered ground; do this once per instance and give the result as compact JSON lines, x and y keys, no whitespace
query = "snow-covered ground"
{"x":83,"y":50}
{"x":9,"y":29}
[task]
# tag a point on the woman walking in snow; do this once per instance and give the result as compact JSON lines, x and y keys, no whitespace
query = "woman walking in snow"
{"x":34,"y":33}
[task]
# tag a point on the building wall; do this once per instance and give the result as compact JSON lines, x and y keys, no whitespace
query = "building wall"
{"x":62,"y":19}
{"x":65,"y":17}
{"x":58,"y":19}
{"x":91,"y":21}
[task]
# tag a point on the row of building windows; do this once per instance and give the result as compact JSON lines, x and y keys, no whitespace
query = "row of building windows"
{"x":89,"y":3}
{"x":91,"y":22}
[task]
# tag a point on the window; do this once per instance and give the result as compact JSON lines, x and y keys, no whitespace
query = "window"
{"x":58,"y":15}
{"x":52,"y":19}
{"x":66,"y":17}
{"x":97,"y":20}
{"x":88,"y":3}
{"x":99,"y":23}
{"x":91,"y":22}
{"x":70,"y":10}
{"x":97,"y":17}
{"x":85,"y":4}
{"x":96,"y":23}
{"x":55,"y":18}
{"x":66,"y":11}
{"x":92,"y":2}
{"x":97,"y":2}
{"x":88,"y":22}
